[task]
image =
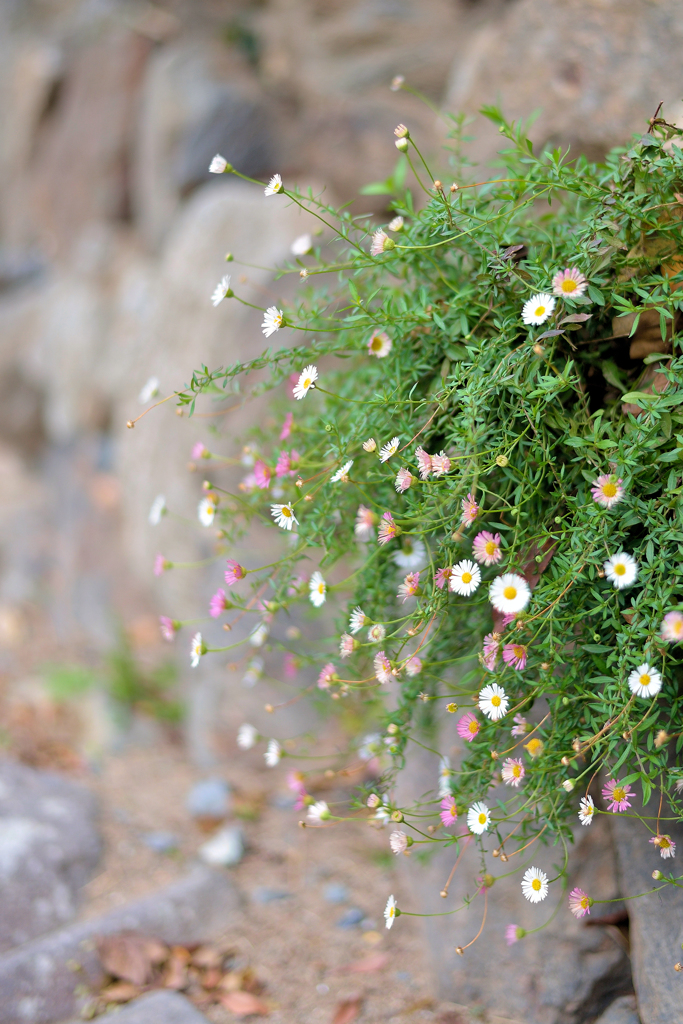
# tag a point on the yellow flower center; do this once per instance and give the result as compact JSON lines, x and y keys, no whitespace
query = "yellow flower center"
{"x":452,"y":811}
{"x":321,"y":588}
{"x":618,"y":794}
{"x":584,"y":904}
{"x":466,"y":577}
{"x":473,"y":728}
{"x":620,"y":569}
{"x":645,"y":679}
{"x":540,"y":310}
{"x":490,"y":547}
{"x":391,"y":911}
{"x":307,"y":383}
{"x":516,"y":771}
{"x":495,"y":701}
{"x":568,"y":285}
{"x":609,"y":490}
{"x":518,"y":651}
{"x":664,"y":843}
{"x":510,"y":593}
{"x":678,"y":625}
{"x":376,"y":343}
{"x":536,"y":884}
{"x":482,"y":819}
{"x":286,"y":511}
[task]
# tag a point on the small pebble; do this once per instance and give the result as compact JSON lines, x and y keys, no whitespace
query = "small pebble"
{"x":283,"y":801}
{"x":224,"y":849}
{"x":352,"y":918}
{"x":160,"y":842}
{"x":265,"y":895}
{"x":209,"y":798}
{"x":335,"y":892}
{"x":322,"y":989}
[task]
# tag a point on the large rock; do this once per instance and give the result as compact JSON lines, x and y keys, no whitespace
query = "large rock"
{"x":49,"y":979}
{"x":596,"y":69}
{"x":564,"y":974}
{"x":49,"y":847}
{"x":622,"y":1011}
{"x":161,"y":1008}
{"x":656,"y":921}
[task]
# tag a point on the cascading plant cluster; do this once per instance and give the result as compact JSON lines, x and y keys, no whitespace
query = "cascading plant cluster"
{"x":496,"y":464}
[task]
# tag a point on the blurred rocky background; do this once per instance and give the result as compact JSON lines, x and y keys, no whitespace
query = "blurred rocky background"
{"x":112,"y":238}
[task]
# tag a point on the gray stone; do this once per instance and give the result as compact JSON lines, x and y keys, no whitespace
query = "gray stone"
{"x":225,"y":848}
{"x":622,"y":1011}
{"x":655,"y":921}
{"x":264,"y":894}
{"x":335,"y":892}
{"x":351,"y":918}
{"x":160,"y":842}
{"x":49,"y":847}
{"x":49,"y":979}
{"x":158,"y":1008}
{"x":209,"y":798}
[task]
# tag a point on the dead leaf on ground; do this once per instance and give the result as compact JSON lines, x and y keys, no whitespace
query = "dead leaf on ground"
{"x":243,"y":1004}
{"x":365,"y":966}
{"x":131,"y":956}
{"x":175,"y":976}
{"x":120,"y":992}
{"x":347,"y":1011}
{"x":207,"y":957}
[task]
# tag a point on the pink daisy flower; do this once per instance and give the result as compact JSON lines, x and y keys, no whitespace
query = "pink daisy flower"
{"x":347,"y":645}
{"x":380,"y":344}
{"x":199,"y":451}
{"x":569,"y":283}
{"x":442,"y":576}
{"x":448,"y":813}
{"x":248,"y":484}
{"x":218,"y":604}
{"x":295,"y":782}
{"x":440,"y":464}
{"x":607,"y":490}
{"x":672,"y":627}
{"x":414,"y":666}
{"x":667,"y":847}
{"x":404,"y":479}
{"x":382,"y":667}
{"x":365,"y":523}
{"x":490,"y":650}
{"x":169,"y":628}
{"x":291,"y":665}
{"x":262,"y":474}
{"x":284,"y":465}
{"x":327,"y":676}
{"x":513,"y":933}
{"x":513,"y":771}
{"x":409,"y":587}
{"x":470,"y":510}
{"x":160,"y":565}
{"x":388,"y":529}
{"x":424,"y":462}
{"x":468,"y":727}
{"x":519,"y":728}
{"x":234,"y":572}
{"x":580,"y":902}
{"x":486,"y":548}
{"x":617,"y":796}
{"x":515,"y":655}
{"x":378,"y":242}
{"x":287,"y":427}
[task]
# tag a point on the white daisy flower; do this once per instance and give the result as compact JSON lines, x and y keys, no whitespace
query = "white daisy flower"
{"x":645,"y":681}
{"x":274,"y":186}
{"x":538,"y":309}
{"x":259,"y":635}
{"x":478,"y":818}
{"x":273,"y":753}
{"x":157,"y":510}
{"x":509,"y":593}
{"x":493,"y":701}
{"x":318,"y":812}
{"x":273,"y":318}
{"x":284,"y":515}
{"x":465,"y":578}
{"x":317,"y":589}
{"x":586,"y":810}
{"x":535,"y":885}
{"x":197,"y":648}
{"x":396,"y":224}
{"x":221,"y":291}
{"x":411,"y":557}
{"x":342,"y":473}
{"x":621,"y":569}
{"x":149,"y":391}
{"x":301,"y":245}
{"x":444,"y":776}
{"x":357,"y":620}
{"x":380,"y":344}
{"x":218,"y":165}
{"x":390,"y":911}
{"x":206,"y":510}
{"x":307,"y":379}
{"x":389,"y":449}
{"x":398,"y":841}
{"x":247,"y":736}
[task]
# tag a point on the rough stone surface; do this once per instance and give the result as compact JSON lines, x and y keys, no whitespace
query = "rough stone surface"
{"x":49,"y":847}
{"x":564,"y":974}
{"x":596,"y":69}
{"x":622,"y":1011}
{"x":656,"y":921}
{"x":159,"y":1008}
{"x":40,"y":982}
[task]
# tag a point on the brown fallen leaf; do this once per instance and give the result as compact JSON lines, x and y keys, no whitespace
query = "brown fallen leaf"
{"x":369,"y":963}
{"x":175,"y":976}
{"x":120,"y":992}
{"x":347,"y":1011}
{"x":243,"y":1004}
{"x":131,"y":956}
{"x":207,"y":957}
{"x":231,"y":982}
{"x":211,"y":977}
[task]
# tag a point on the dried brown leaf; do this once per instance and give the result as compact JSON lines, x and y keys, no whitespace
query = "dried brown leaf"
{"x":368,"y":964}
{"x":347,"y":1010}
{"x":176,"y":976}
{"x":243,"y":1004}
{"x":120,"y":992}
{"x":207,"y":956}
{"x":131,"y":956}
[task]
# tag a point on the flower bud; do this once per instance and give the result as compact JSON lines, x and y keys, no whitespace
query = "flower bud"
{"x":454,"y":187}
{"x":401,"y":145}
{"x":396,"y":83}
{"x":661,"y":738}
{"x":568,"y":785}
{"x":396,"y":816}
{"x":502,"y":461}
{"x":452,"y":708}
{"x":401,"y":132}
{"x":657,"y":875}
{"x":373,"y":801}
{"x":459,"y":950}
{"x":392,"y":729}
